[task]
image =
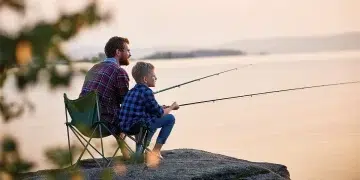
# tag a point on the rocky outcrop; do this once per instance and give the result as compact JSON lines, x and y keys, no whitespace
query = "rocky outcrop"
{"x":180,"y":164}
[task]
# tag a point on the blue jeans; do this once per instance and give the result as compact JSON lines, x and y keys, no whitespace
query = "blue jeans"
{"x":166,"y":123}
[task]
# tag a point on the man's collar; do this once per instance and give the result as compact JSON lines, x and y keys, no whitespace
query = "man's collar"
{"x":113,"y":60}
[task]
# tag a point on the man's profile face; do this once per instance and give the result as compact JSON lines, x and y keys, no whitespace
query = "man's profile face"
{"x":124,"y":55}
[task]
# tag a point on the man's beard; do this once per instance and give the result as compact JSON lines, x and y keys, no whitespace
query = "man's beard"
{"x":124,"y":61}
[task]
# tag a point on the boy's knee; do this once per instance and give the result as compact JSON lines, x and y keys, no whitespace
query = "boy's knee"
{"x":170,"y":118}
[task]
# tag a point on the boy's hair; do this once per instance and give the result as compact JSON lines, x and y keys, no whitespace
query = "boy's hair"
{"x":140,"y":70}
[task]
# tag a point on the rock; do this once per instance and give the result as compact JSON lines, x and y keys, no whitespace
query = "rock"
{"x":179,"y":164}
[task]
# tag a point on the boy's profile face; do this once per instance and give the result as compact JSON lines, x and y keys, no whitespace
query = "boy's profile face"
{"x":150,"y":79}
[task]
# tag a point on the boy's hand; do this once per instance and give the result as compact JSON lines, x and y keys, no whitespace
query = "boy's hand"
{"x":165,"y":106}
{"x":175,"y":106}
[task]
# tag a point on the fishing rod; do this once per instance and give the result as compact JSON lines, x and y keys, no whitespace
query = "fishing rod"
{"x":269,"y":92}
{"x":179,"y":85}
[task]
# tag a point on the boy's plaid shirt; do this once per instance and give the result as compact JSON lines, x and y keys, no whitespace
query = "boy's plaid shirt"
{"x":139,"y":105}
{"x":111,"y":83}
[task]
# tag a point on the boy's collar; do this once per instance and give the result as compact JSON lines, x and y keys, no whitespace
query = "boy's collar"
{"x":141,"y":84}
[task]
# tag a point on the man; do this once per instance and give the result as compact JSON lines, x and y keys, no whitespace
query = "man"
{"x":141,"y":107}
{"x":111,"y":82}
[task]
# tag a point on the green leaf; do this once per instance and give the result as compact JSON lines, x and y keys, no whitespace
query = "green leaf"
{"x":60,"y":156}
{"x":17,"y":5}
{"x":27,"y":75}
{"x":42,"y":45}
{"x":7,"y":53}
{"x":10,"y":110}
{"x":106,"y":174}
{"x":41,"y":37}
{"x":9,"y":145}
{"x":57,"y":79}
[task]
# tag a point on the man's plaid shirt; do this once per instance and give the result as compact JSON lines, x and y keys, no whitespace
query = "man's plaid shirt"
{"x":139,"y":105}
{"x":111,"y":83}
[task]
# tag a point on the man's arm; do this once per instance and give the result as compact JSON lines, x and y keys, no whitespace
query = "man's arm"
{"x":123,"y":84}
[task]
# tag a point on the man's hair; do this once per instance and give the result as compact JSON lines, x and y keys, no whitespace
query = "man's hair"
{"x":113,"y":44}
{"x":140,"y":70}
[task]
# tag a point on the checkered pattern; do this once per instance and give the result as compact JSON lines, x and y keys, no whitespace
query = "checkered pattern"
{"x":139,"y":105}
{"x":111,"y":83}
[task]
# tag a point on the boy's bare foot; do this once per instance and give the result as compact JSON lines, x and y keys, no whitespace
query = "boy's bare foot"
{"x":152,"y":159}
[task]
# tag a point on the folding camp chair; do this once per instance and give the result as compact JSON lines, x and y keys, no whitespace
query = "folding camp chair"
{"x":86,"y":121}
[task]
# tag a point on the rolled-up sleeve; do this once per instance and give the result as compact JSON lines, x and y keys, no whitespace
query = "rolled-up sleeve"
{"x":152,"y":106}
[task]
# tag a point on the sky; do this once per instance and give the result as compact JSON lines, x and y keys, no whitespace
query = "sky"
{"x":201,"y":23}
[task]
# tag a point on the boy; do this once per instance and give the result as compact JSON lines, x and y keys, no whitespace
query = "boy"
{"x":140,"y":106}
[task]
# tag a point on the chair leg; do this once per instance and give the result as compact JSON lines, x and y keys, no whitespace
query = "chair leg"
{"x":91,"y":145}
{"x":68,"y":135}
{"x":145,"y":141}
{"x":70,"y":153}
{"x":117,"y":139}
{"x":85,"y":148}
{"x":147,"y":149}
{"x":120,"y":142}
{"x":141,"y":141}
{"x":101,"y":140}
{"x":117,"y":149}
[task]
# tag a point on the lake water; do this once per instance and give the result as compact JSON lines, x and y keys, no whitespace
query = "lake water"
{"x":314,"y":132}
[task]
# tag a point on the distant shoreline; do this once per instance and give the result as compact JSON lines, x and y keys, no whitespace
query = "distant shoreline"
{"x":193,"y":54}
{"x":96,"y":59}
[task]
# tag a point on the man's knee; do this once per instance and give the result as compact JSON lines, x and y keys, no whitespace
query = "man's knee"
{"x":170,"y":118}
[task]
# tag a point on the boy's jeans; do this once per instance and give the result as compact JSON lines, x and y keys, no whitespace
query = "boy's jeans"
{"x":166,"y":123}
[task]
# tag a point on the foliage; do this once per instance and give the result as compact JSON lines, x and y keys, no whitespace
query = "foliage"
{"x":38,"y":48}
{"x":33,"y":50}
{"x":60,"y":156}
{"x":11,"y":163}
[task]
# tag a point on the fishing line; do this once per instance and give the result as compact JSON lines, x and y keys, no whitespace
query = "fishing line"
{"x":198,"y":79}
{"x":269,"y":92}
